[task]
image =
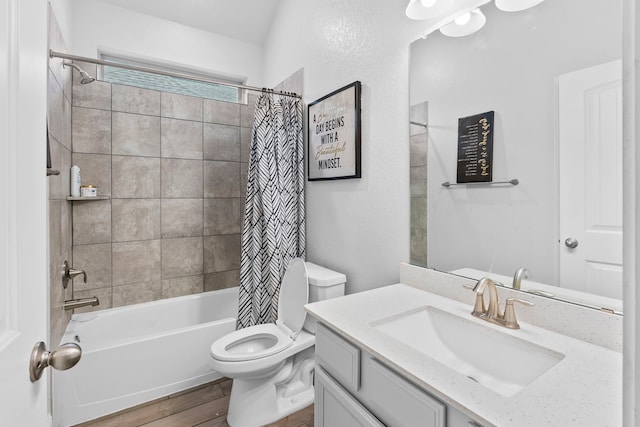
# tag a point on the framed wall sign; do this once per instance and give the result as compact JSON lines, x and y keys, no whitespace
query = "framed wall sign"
{"x":475,"y":148}
{"x":334,"y":135}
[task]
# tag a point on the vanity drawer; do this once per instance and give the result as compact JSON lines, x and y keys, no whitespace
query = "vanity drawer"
{"x":338,"y":357}
{"x":396,"y":401}
{"x":336,"y":407}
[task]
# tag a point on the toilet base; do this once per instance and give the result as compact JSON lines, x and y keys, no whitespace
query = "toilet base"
{"x":256,"y":402}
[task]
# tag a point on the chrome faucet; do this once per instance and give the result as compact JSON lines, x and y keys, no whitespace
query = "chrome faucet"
{"x":521,"y":273}
{"x":492,"y":312}
{"x":70,"y":274}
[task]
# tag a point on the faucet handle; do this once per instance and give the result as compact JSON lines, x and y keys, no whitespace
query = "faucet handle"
{"x":70,"y":274}
{"x":479,"y":307}
{"x":510,"y":320}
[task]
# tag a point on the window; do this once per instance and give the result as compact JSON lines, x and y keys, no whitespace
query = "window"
{"x":166,"y":83}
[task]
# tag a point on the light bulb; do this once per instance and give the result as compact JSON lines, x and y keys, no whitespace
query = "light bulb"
{"x":465,"y":24}
{"x":464,"y":19}
{"x":427,"y":9}
{"x":516,"y":5}
{"x":428,"y":3}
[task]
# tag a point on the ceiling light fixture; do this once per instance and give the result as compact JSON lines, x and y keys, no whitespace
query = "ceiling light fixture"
{"x":425,"y":9}
{"x":516,"y":5}
{"x":465,"y":24}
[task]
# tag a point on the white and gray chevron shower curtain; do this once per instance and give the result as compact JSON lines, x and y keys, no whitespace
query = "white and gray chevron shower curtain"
{"x":273,"y":229}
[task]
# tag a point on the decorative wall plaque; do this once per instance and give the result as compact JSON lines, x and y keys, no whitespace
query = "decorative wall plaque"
{"x":334,"y":135}
{"x":475,"y":148}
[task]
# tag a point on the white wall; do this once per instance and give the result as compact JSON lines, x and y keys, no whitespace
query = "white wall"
{"x":62,"y":11}
{"x":96,"y":26}
{"x":509,"y":66}
{"x":356,"y":226}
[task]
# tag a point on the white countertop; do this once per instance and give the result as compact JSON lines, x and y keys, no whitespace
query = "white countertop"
{"x":583,"y":389}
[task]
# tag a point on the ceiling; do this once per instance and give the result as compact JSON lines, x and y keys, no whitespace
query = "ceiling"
{"x":246,"y":20}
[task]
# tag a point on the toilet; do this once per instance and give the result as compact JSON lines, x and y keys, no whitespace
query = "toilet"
{"x":272,"y":364}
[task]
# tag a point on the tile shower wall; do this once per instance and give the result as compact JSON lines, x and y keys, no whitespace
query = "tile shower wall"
{"x":418,"y":182}
{"x":174,"y":167}
{"x":59,"y":121}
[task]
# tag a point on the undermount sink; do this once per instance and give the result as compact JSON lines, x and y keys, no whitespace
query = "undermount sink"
{"x":496,"y":360}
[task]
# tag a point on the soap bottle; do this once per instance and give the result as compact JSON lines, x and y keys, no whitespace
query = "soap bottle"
{"x":75,"y":181}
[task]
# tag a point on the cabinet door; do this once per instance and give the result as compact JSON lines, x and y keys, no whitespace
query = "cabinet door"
{"x":335,"y":407}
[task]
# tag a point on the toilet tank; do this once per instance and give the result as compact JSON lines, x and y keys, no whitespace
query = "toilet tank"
{"x":323,"y":284}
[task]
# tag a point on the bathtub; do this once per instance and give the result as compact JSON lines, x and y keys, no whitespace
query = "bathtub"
{"x":137,"y":353}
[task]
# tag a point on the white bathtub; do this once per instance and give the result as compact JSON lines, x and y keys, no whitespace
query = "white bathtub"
{"x":137,"y":353}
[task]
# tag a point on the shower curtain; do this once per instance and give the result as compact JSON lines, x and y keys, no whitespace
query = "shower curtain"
{"x":273,"y":229}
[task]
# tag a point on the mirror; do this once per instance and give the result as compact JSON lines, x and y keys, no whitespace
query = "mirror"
{"x":528,"y":67}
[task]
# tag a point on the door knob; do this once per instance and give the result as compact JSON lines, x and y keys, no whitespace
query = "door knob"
{"x":64,"y":357}
{"x":571,"y":243}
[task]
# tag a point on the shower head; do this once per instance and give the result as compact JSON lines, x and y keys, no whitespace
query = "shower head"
{"x":85,"y":78}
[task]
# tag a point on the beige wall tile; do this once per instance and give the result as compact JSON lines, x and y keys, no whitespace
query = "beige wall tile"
{"x":182,"y":286}
{"x":245,"y":144}
{"x":147,"y":241}
{"x":55,"y":101}
{"x":136,"y":262}
{"x":91,"y":130}
{"x":135,"y":177}
{"x":221,"y":142}
{"x":419,"y":113}
{"x":95,"y":169}
{"x":224,"y":113}
{"x":136,"y":135}
{"x":181,"y":178}
{"x":129,"y":99}
{"x":244,"y":172}
{"x":419,"y":212}
{"x":65,"y":172}
{"x":247,"y":111}
{"x":92,"y":95}
{"x":66,"y":228}
{"x":181,"y":218}
{"x":418,"y":150}
{"x":222,"y":179}
{"x":181,"y":257}
{"x":418,"y":181}
{"x":221,"y":253}
{"x":181,"y":139}
{"x":55,"y":181}
{"x":221,"y":280}
{"x":181,"y":106}
{"x":136,"y":293}
{"x":96,"y":261}
{"x":223,"y":216}
{"x":135,"y":219}
{"x":418,"y":245}
{"x":91,"y":222}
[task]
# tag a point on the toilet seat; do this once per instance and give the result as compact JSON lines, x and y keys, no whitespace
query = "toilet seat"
{"x":259,"y":341}
{"x":251,"y":343}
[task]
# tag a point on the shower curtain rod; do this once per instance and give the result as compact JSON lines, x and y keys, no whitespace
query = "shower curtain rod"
{"x":54,"y":54}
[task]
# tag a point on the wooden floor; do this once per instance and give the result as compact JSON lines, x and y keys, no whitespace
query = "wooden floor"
{"x":203,"y":406}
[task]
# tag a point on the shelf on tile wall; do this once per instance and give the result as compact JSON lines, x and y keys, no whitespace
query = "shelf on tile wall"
{"x":87,"y":199}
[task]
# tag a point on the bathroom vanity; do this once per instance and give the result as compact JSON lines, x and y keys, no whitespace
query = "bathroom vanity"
{"x":402,"y":356}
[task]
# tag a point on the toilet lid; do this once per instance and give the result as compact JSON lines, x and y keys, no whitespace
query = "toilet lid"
{"x":294,"y":294}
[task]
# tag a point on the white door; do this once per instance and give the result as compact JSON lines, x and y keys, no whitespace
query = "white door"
{"x":23,"y":209}
{"x":590,"y":139}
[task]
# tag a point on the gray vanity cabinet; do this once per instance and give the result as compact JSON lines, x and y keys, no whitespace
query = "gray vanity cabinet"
{"x":355,"y":389}
{"x":336,"y":407}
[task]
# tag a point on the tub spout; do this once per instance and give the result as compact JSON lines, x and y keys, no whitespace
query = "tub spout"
{"x":82,"y":302}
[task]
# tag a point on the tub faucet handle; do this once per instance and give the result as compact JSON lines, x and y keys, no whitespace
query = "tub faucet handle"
{"x":70,"y":274}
